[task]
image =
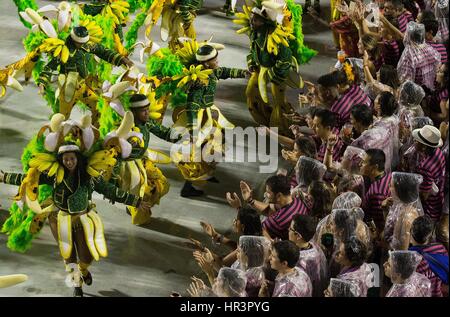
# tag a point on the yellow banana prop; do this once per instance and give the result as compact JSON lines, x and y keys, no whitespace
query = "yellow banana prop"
{"x":262,"y":83}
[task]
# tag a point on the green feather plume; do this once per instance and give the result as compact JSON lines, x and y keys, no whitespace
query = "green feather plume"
{"x":301,"y":51}
{"x":22,"y":5}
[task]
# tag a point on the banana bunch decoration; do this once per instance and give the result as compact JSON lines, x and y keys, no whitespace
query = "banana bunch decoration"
{"x":244,"y":18}
{"x":94,"y":30}
{"x":118,"y":139}
{"x":280,"y":35}
{"x":56,"y":47}
{"x":101,"y":163}
{"x":193,"y":74}
{"x":156,"y":106}
{"x":186,"y":53}
{"x":117,"y":10}
{"x":59,"y":128}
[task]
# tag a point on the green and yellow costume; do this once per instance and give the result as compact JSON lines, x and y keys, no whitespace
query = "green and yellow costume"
{"x":201,"y":115}
{"x":73,"y":219}
{"x":138,"y":174}
{"x":276,"y":50}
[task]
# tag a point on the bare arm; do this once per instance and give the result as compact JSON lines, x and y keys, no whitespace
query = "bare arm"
{"x":396,"y":33}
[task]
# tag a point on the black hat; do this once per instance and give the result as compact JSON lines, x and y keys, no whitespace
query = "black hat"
{"x":205,"y":53}
{"x":80,"y":34}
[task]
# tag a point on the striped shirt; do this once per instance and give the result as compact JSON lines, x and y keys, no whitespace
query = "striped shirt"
{"x":278,"y":224}
{"x":424,"y":268}
{"x":343,"y":105}
{"x":432,"y":169}
{"x":377,"y":192}
{"x":391,"y":52}
{"x":441,"y":50}
{"x":403,"y":20}
{"x":419,"y":63}
{"x":293,"y":181}
{"x":338,"y":150}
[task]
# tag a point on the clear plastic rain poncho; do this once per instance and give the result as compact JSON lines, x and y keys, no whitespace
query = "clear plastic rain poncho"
{"x":350,"y":222}
{"x":377,"y":138}
{"x":351,"y":159}
{"x":391,"y":124}
{"x":342,"y":288}
{"x":230,"y":283}
{"x":361,"y":277}
{"x":405,"y":209}
{"x":253,"y":255}
{"x":347,"y":200}
{"x":293,"y":284}
{"x":419,"y":61}
{"x":441,"y":13}
{"x":314,"y":263}
{"x":308,"y":170}
{"x":410,"y":98}
{"x":406,"y":281}
{"x":343,"y":224}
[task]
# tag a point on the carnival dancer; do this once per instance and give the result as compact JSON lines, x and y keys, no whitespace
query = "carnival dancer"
{"x":201,"y":117}
{"x":276,"y":50}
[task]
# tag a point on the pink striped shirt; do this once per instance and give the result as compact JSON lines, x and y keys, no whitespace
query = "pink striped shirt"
{"x":441,"y":50}
{"x":403,"y":20}
{"x":432,"y":168}
{"x":419,"y":64}
{"x":391,"y":52}
{"x":278,"y":224}
{"x":342,"y":107}
{"x":378,"y":191}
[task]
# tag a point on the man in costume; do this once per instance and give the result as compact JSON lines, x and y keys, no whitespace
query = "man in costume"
{"x":137,"y":173}
{"x":75,"y":81}
{"x":276,"y":49}
{"x":202,"y":118}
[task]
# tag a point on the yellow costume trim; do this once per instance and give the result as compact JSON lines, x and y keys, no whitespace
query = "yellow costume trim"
{"x":89,"y":231}
{"x":99,"y":236}
{"x":65,"y":241}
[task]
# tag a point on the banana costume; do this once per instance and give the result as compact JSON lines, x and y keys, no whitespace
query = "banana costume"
{"x":73,"y":219}
{"x":75,"y":83}
{"x":177,"y":19}
{"x":275,"y":49}
{"x":136,"y":172}
{"x":200,"y":114}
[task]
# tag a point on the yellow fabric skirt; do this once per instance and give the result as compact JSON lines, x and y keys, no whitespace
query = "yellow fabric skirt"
{"x":210,"y":125}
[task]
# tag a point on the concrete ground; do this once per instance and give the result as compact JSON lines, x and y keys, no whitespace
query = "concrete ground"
{"x":150,"y":260}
